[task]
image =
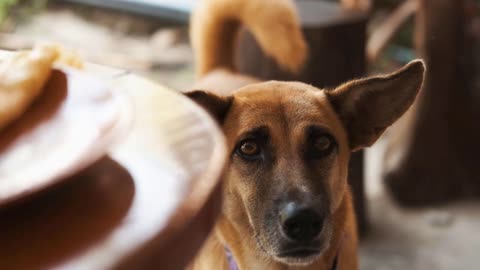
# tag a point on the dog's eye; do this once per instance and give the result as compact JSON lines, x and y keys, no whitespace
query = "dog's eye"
{"x":322,"y":143}
{"x":322,"y":146}
{"x":249,"y":148}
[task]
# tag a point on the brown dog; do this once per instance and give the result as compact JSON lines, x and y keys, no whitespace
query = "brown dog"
{"x":287,"y":204}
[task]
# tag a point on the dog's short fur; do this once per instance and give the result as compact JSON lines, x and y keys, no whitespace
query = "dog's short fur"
{"x":289,"y":142}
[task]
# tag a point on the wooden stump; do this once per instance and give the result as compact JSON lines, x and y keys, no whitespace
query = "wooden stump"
{"x":436,"y":161}
{"x":336,"y":40}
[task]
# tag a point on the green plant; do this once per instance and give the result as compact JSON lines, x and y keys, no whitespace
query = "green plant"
{"x":5,"y":6}
{"x":19,"y":10}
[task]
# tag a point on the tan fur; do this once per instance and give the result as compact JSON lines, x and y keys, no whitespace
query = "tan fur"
{"x":215,"y":23}
{"x":223,"y":81}
{"x":355,"y":114}
{"x":362,"y":5}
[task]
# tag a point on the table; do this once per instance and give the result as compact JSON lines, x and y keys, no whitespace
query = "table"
{"x":175,"y":11}
{"x":149,"y":204}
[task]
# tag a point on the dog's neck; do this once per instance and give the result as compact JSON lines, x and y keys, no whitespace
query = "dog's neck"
{"x":248,"y":255}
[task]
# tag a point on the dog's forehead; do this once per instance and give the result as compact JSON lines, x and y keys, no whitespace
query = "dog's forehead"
{"x":274,"y":103}
{"x":272,"y":96}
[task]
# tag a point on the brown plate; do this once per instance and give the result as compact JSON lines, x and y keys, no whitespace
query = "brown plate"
{"x":67,"y":128}
{"x":149,"y":206}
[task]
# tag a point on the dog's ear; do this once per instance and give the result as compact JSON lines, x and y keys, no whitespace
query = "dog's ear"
{"x":368,"y":106}
{"x":216,"y":105}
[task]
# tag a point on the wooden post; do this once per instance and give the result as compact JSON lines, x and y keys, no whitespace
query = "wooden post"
{"x":436,"y":160}
{"x":336,"y":40}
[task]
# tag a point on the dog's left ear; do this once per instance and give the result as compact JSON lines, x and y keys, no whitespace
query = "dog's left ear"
{"x":368,"y":106}
{"x":217,"y":106}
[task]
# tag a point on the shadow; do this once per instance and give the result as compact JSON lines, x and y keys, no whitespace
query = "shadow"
{"x":42,"y":109}
{"x":57,"y":224}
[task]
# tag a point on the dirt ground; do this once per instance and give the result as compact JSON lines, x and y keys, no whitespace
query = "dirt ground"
{"x":436,"y":238}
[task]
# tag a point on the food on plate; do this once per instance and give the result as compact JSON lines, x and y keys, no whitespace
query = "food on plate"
{"x":24,"y":74}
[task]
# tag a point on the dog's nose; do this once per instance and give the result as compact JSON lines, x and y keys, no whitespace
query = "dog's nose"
{"x":299,"y":223}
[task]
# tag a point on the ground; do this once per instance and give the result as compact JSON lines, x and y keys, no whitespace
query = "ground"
{"x":441,"y":238}
{"x":436,"y":238}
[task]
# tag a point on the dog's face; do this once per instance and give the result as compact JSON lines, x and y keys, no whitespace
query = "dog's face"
{"x":290,"y":145}
{"x":289,"y":154}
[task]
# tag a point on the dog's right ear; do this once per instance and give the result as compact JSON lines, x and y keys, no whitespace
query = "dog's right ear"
{"x":368,"y":106}
{"x":217,"y":106}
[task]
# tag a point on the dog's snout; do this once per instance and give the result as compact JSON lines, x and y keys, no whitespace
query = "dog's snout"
{"x":300,"y":223}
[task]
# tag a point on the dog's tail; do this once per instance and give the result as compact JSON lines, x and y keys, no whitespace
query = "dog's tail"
{"x":274,"y":23}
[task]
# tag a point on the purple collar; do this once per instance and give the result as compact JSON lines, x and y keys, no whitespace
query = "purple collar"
{"x":232,"y":264}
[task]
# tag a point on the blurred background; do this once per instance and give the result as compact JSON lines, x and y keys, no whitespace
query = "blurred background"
{"x":417,"y":189}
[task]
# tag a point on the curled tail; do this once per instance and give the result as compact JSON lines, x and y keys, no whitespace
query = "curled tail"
{"x":274,"y":24}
